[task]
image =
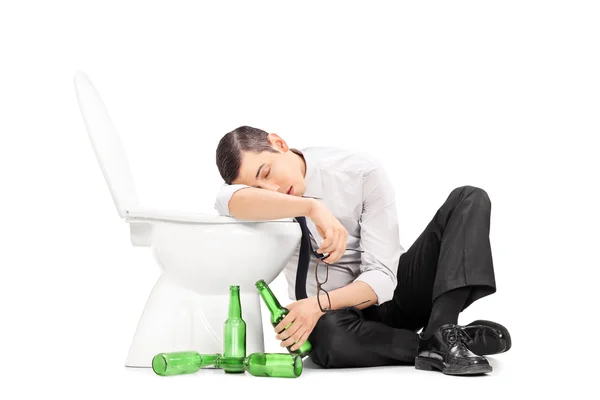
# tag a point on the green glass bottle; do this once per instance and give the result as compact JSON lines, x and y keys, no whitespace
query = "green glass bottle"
{"x":278,"y":365}
{"x":182,"y":362}
{"x":278,"y":313}
{"x":231,"y":364}
{"x":234,"y":334}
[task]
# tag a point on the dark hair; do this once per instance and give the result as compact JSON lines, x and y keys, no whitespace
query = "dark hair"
{"x":230,"y":147}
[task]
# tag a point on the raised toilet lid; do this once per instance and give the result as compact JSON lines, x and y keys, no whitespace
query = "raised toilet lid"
{"x":113,"y":161}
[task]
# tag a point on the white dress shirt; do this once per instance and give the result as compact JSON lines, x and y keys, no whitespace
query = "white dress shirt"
{"x":355,"y":188}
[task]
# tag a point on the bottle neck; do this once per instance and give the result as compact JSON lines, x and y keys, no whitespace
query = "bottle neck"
{"x":235,"y":306}
{"x":270,"y":300}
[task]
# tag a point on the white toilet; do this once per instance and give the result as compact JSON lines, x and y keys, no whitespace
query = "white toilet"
{"x":200,"y":255}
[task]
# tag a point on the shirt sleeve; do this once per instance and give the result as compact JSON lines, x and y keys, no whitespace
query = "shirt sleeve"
{"x":379,"y":235}
{"x":223,"y":197}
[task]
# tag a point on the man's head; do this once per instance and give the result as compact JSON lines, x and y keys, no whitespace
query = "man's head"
{"x":256,"y":158}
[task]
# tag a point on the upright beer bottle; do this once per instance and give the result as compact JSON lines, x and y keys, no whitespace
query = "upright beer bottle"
{"x":278,"y":313}
{"x":234,"y":334}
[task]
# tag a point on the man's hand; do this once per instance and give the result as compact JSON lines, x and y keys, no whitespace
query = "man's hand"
{"x":331,"y":230}
{"x":303,"y":316}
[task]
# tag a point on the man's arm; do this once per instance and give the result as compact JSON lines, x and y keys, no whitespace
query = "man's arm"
{"x":380,"y":240}
{"x":261,"y":204}
{"x":255,"y":204}
{"x":350,"y":295}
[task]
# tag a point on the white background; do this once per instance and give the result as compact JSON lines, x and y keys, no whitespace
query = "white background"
{"x":504,"y":96}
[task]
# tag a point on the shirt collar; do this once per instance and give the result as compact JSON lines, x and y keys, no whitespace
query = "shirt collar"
{"x":312,"y":178}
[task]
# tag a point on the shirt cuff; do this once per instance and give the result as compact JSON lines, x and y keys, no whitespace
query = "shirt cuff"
{"x":382,"y":284}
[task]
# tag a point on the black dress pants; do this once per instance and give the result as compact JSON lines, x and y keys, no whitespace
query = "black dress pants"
{"x":453,"y":251}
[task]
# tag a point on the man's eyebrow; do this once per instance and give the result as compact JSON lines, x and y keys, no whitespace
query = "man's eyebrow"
{"x":259,"y":168}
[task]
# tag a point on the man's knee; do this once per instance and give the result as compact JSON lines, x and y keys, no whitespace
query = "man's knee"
{"x":332,"y":336}
{"x":476,"y":193}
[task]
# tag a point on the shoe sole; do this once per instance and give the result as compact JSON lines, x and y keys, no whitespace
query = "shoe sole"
{"x":495,"y":325}
{"x":430,"y":365}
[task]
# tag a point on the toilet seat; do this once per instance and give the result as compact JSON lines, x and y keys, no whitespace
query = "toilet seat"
{"x":188,"y":217}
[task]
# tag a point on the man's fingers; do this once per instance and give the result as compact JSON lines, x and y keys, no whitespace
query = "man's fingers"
{"x":285,"y":322}
{"x":301,"y":341}
{"x":286,"y":333}
{"x":331,"y":246}
{"x":294,"y":338}
{"x":330,"y":234}
{"x":338,"y":249}
{"x":332,"y":258}
{"x":341,"y":245}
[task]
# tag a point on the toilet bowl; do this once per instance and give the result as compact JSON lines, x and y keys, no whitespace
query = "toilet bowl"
{"x":199,"y":255}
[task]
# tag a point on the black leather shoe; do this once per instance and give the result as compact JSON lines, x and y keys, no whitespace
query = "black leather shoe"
{"x":487,"y":337}
{"x":445,"y":350}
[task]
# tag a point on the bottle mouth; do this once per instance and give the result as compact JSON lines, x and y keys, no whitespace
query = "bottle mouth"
{"x":261,"y":284}
{"x":159,"y":364}
{"x":234,"y":287}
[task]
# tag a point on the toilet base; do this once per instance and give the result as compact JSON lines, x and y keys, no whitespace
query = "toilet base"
{"x":179,"y":319}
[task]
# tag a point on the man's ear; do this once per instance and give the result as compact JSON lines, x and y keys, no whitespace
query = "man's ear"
{"x":278,"y":142}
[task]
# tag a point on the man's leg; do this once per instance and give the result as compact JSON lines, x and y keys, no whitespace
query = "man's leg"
{"x":453,"y":252}
{"x":447,"y":268}
{"x":344,"y":339}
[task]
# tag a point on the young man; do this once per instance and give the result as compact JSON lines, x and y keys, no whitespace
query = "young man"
{"x":368,"y":297}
